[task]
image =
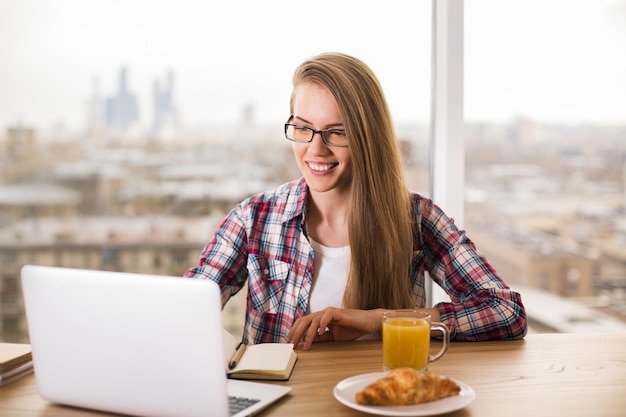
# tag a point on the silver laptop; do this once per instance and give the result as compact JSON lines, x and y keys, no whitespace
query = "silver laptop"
{"x":143,"y":345}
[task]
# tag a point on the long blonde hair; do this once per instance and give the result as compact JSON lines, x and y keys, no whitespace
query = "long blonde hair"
{"x":378,"y":217}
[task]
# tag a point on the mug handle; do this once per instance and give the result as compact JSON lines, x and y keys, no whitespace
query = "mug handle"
{"x":446,"y":340}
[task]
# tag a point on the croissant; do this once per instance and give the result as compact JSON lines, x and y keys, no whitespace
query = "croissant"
{"x":406,"y":386}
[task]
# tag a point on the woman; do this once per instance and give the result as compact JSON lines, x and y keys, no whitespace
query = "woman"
{"x":325,"y":255}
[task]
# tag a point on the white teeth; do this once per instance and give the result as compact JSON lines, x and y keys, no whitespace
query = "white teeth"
{"x":320,"y":167}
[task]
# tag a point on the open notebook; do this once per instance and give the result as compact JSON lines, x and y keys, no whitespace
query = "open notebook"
{"x":143,"y":345}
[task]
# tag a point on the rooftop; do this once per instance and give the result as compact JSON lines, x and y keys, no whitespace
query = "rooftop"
{"x":102,"y":230}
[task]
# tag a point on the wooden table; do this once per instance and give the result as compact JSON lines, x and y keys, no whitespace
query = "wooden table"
{"x":544,"y":375}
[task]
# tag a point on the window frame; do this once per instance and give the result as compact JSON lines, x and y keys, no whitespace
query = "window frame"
{"x":447,"y":150}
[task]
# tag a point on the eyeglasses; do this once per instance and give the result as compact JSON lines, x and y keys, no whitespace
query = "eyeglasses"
{"x":304,"y":134}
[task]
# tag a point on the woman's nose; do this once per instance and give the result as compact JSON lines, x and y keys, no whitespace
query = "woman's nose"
{"x":317,"y":144}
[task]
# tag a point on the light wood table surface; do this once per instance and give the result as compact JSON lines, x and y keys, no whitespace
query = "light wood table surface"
{"x":543,"y":375}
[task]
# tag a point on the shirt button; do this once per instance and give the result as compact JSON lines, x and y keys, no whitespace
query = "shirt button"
{"x":266,"y":271}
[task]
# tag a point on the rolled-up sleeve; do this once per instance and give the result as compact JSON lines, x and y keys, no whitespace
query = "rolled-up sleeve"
{"x":224,"y":257}
{"x":261,"y":244}
{"x":481,"y":306}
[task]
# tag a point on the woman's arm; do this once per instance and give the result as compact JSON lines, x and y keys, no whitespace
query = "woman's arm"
{"x":482,"y":306}
{"x":223,"y":259}
{"x":339,"y":325}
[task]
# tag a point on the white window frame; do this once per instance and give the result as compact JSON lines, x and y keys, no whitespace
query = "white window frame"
{"x":447,"y":150}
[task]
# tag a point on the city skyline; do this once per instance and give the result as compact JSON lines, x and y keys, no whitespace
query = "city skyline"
{"x":231,"y":56}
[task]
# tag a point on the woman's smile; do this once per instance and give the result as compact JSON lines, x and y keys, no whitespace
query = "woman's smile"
{"x":319,"y":168}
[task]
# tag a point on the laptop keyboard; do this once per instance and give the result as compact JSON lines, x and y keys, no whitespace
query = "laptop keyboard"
{"x":236,"y":404}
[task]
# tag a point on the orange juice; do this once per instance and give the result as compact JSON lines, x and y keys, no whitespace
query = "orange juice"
{"x":406,"y":342}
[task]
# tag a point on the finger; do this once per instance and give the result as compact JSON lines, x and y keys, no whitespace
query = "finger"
{"x":297,"y":331}
{"x":311,"y":333}
{"x":292,"y":332}
{"x":325,"y":321}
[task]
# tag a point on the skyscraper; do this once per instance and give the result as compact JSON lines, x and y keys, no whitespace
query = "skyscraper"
{"x":95,"y":111}
{"x":121,"y":109}
{"x":165,"y":119}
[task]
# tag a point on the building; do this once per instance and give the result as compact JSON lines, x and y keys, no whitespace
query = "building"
{"x":538,"y":260}
{"x":19,"y":153}
{"x":121,"y":110}
{"x":19,"y":143}
{"x":36,"y":200}
{"x":153,"y":245}
{"x":95,"y":117}
{"x":165,"y":114}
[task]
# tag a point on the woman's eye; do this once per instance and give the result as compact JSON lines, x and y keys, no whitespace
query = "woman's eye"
{"x":338,"y":133}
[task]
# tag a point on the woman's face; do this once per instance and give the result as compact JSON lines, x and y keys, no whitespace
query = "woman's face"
{"x":325,"y":168}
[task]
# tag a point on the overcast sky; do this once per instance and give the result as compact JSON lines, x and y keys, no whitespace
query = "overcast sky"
{"x":550,"y":60}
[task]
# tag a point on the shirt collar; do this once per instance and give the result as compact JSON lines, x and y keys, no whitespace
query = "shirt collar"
{"x":296,"y":204}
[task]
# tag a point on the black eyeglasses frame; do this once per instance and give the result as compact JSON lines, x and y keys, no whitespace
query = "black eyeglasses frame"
{"x":314,"y":132}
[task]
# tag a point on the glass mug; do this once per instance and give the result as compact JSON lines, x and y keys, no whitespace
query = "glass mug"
{"x":406,"y":339}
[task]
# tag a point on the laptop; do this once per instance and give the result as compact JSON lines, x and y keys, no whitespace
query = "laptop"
{"x":135,"y":344}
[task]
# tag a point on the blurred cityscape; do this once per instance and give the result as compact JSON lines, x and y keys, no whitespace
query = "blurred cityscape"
{"x":545,"y":203}
{"x":547,"y":206}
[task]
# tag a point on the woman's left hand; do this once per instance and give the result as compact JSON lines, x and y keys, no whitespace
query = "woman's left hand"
{"x":334,"y":324}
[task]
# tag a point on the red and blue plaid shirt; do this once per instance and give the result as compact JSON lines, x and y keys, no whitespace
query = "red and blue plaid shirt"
{"x":263,"y":242}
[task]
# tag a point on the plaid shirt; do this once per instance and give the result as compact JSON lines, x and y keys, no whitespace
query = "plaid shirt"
{"x":263,"y":242}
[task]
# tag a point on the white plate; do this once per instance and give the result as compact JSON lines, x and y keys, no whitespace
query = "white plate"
{"x":346,"y":389}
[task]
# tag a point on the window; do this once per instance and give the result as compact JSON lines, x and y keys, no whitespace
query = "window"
{"x":545,"y":139}
{"x":541,"y":148}
{"x":129,"y":135}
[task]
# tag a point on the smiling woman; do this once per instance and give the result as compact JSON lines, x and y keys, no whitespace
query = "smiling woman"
{"x":350,"y":227}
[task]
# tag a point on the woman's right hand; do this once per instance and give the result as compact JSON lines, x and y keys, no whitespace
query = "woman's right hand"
{"x":334,"y":324}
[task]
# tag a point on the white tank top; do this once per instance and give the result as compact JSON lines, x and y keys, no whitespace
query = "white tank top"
{"x":330,"y":276}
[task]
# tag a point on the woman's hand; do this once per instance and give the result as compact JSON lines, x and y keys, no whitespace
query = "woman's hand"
{"x":334,"y":324}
